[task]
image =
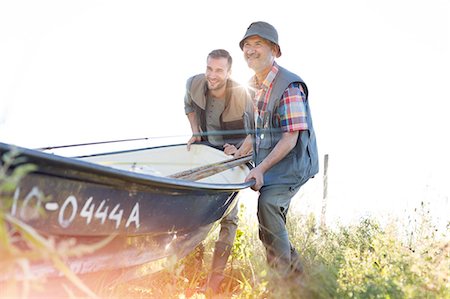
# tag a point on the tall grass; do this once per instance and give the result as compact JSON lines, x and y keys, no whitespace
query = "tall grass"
{"x":362,"y":260}
{"x":21,"y":245}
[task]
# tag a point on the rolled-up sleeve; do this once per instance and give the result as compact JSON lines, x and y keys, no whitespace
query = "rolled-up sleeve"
{"x":188,"y":107}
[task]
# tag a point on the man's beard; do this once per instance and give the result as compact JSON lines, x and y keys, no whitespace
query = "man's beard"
{"x":217,"y":85}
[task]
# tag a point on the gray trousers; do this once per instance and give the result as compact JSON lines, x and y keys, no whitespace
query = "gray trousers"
{"x":228,"y":226}
{"x":273,"y":206}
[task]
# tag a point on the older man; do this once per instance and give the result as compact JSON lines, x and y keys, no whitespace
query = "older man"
{"x":285,"y":148}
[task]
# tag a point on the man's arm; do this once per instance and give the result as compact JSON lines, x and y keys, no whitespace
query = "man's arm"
{"x":194,"y":128}
{"x":245,"y":148}
{"x":282,"y":148}
{"x":191,"y":114}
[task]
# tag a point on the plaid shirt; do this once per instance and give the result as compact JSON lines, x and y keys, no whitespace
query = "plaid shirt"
{"x":291,"y":109}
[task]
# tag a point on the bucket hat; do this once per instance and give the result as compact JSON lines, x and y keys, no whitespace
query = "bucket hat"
{"x":264,"y":30}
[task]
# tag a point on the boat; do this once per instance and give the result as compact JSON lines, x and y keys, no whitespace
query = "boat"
{"x":138,"y":198}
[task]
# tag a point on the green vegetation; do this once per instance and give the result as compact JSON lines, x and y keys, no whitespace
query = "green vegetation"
{"x":364,"y":260}
{"x":355,"y":261}
{"x":21,"y":245}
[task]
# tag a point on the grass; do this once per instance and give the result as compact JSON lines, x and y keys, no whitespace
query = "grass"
{"x":21,"y":245}
{"x":362,"y":260}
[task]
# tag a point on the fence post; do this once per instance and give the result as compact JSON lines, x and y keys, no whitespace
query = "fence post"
{"x":325,"y":193}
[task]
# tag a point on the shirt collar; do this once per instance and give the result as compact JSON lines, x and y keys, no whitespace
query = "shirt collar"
{"x":269,"y":78}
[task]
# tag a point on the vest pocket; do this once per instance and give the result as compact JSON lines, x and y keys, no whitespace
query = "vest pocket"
{"x":265,"y":131}
{"x":284,"y":172}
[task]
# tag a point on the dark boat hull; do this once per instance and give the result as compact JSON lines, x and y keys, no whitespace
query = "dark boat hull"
{"x":152,"y":217}
{"x":82,"y":208}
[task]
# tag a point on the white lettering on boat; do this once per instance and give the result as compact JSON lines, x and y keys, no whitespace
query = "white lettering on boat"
{"x":27,"y":211}
{"x":74,"y":207}
{"x":134,"y":216}
{"x":102,"y":212}
{"x":51,"y":206}
{"x":14,"y":204}
{"x":116,"y":215}
{"x":88,"y":210}
{"x":68,"y":211}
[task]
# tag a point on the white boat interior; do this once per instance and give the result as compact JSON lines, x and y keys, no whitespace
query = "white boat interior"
{"x":165,"y":161}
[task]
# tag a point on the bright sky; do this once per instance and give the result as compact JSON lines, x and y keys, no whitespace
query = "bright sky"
{"x":378,"y":74}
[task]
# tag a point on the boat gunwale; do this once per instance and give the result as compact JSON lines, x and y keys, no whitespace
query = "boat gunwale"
{"x":35,"y":156}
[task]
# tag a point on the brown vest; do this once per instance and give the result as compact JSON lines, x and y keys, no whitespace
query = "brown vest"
{"x":237,"y":101}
